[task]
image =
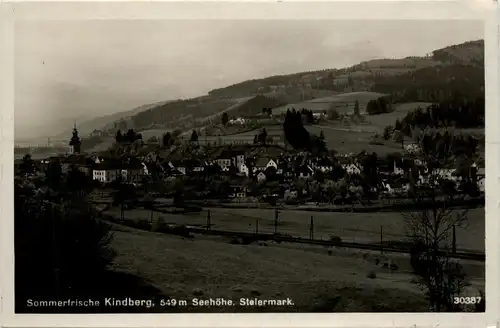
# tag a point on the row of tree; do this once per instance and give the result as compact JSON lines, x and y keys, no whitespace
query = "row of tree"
{"x":467,"y":113}
{"x":129,"y":137}
{"x":433,"y":84}
{"x":169,"y":139}
{"x":378,"y":106}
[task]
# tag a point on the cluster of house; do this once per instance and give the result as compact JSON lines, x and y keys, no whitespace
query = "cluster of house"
{"x":284,"y":167}
{"x":302,"y":166}
{"x":412,"y":148}
{"x":260,"y":168}
{"x":99,"y":168}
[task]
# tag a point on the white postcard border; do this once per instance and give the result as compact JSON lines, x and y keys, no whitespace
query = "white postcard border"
{"x":261,"y":10}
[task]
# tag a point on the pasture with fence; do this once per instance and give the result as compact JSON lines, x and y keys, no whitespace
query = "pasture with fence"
{"x":366,"y":228}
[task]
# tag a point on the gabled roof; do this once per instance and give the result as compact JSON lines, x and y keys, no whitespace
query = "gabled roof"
{"x":109,"y":164}
{"x":130,"y":163}
{"x":262,"y":161}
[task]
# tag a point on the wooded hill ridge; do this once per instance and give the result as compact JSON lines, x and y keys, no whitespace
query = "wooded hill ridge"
{"x":443,"y":73}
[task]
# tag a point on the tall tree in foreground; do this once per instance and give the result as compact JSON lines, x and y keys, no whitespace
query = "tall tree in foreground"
{"x":430,"y":229}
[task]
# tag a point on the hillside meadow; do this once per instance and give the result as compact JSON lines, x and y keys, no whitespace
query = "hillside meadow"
{"x":400,"y":110}
{"x":343,"y":103}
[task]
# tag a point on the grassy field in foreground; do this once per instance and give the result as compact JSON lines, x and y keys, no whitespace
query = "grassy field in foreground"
{"x":351,"y":227}
{"x":185,"y":269}
{"x":316,"y":282}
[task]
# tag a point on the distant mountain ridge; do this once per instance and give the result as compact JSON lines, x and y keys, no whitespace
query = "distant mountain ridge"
{"x":108,"y":121}
{"x":445,"y":68}
{"x":468,"y":53}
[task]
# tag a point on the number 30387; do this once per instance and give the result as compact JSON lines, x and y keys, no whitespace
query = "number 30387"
{"x":467,"y":300}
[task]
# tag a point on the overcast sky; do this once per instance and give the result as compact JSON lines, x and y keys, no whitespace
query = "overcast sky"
{"x":91,"y":68}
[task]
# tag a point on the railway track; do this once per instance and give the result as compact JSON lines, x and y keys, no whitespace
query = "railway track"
{"x":473,"y":256}
{"x":253,"y":237}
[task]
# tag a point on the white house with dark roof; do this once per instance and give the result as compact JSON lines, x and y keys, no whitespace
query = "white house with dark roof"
{"x":109,"y":170}
{"x":479,"y":175}
{"x":419,"y":162}
{"x":304,"y":172}
{"x":199,"y":168}
{"x":231,"y":157}
{"x":224,"y":162}
{"x":272,"y":163}
{"x":243,"y":169}
{"x":395,"y":187}
{"x":261,"y":177}
{"x":481,"y":182}
{"x":261,"y":164}
{"x":351,"y":168}
{"x":323,"y":164}
{"x":398,"y":170}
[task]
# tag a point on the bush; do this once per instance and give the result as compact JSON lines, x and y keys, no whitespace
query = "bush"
{"x":335,"y":239}
{"x":159,"y":224}
{"x":235,"y":240}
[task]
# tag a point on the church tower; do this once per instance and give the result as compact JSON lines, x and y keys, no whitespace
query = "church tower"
{"x":75,"y":142}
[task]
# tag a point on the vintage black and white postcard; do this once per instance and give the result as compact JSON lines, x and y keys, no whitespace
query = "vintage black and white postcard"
{"x":261,"y":159}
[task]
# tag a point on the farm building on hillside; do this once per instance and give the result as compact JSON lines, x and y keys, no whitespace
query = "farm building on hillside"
{"x":238,"y":120}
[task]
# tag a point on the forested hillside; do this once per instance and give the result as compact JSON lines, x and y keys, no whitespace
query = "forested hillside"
{"x":452,"y":72}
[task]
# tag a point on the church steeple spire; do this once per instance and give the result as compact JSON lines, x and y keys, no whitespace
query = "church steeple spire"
{"x":75,"y":142}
